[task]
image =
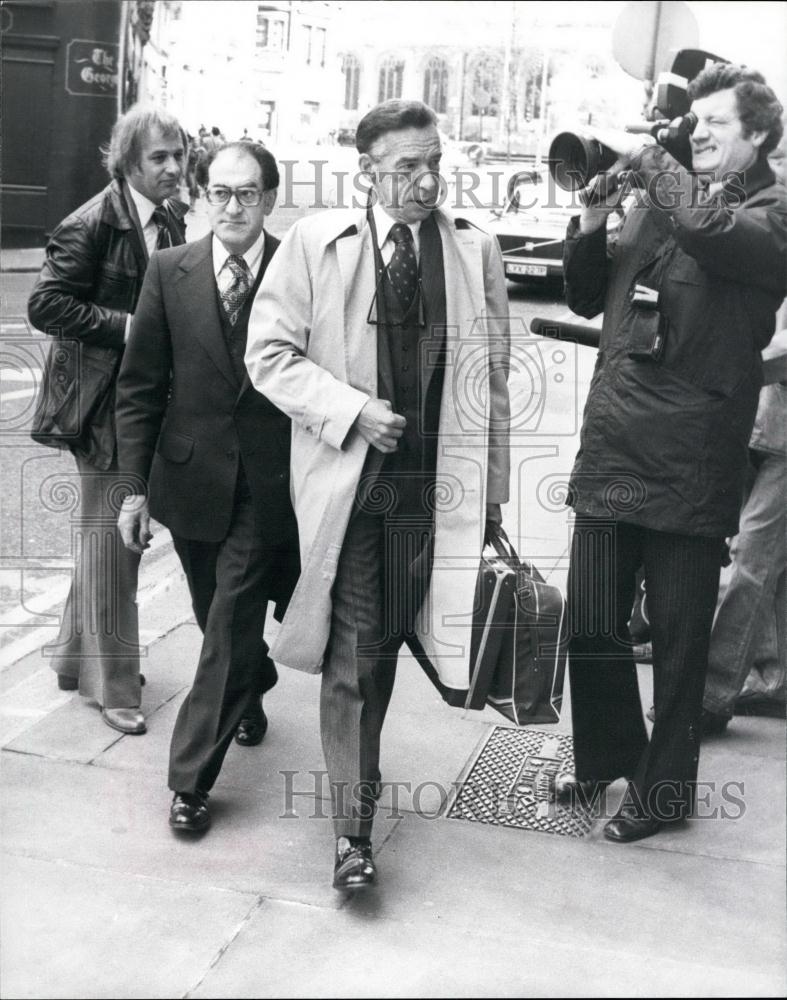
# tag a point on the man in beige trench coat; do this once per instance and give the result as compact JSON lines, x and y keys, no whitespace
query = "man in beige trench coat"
{"x":383,"y":334}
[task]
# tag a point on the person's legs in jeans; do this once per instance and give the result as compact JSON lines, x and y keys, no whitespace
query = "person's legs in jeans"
{"x":759,"y":557}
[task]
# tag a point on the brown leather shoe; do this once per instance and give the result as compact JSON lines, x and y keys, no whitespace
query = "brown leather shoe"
{"x":354,"y":867}
{"x":126,"y":720}
{"x":189,"y":812}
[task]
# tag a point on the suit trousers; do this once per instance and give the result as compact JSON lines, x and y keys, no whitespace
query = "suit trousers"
{"x":375,"y":601}
{"x":98,"y":642}
{"x":610,"y":739}
{"x":230,"y":583}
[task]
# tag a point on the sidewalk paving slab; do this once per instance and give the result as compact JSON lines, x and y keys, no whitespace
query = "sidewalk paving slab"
{"x":743,"y":808}
{"x":461,"y":909}
{"x":74,"y":730}
{"x":78,"y":931}
{"x":117,"y":821}
{"x":356,"y":953}
{"x":586,"y":892}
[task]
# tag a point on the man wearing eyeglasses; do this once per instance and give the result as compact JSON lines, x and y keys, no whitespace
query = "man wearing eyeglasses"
{"x":210,"y":458}
{"x":383,"y":332}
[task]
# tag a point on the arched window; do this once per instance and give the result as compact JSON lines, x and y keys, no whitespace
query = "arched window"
{"x":391,"y":77}
{"x":436,"y":85}
{"x":351,"y":68}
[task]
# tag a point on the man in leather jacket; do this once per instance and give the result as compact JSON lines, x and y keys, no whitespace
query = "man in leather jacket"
{"x":85,"y":296}
{"x":689,"y":293}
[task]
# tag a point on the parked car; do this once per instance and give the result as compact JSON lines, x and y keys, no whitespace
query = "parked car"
{"x":531,"y":226}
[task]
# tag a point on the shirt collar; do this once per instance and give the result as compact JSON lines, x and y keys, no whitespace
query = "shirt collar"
{"x":253,"y":255}
{"x":383,"y":223}
{"x":144,"y":206}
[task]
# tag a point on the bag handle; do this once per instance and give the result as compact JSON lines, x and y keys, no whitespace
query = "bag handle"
{"x":498,"y":539}
{"x":501,"y":543}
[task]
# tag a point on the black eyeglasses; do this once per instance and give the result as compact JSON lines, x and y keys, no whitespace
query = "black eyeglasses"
{"x":248,"y":197}
{"x":372,"y":317}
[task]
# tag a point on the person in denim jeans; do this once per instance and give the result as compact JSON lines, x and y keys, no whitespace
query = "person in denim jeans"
{"x":756,"y":589}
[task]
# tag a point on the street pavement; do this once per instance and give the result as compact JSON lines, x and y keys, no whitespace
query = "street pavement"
{"x":101,"y":899}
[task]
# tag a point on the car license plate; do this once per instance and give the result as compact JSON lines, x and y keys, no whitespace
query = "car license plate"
{"x":535,"y":270}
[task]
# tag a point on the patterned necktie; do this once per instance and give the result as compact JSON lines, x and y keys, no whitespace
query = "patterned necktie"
{"x":403,"y":268}
{"x":164,"y":238}
{"x":233,"y":295}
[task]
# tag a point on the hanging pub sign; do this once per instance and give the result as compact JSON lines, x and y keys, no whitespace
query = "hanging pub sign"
{"x":91,"y":68}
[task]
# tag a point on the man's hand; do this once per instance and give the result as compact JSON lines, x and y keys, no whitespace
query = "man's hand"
{"x":134,"y":523}
{"x":494,"y":520}
{"x":603,"y":196}
{"x":380,"y":426}
{"x":604,"y":201}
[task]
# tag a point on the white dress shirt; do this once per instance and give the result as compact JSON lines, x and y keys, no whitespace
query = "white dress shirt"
{"x":253,"y":258}
{"x":145,"y":209}
{"x":383,"y":222}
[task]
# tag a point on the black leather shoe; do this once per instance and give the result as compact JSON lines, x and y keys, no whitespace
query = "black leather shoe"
{"x":570,"y":791}
{"x":189,"y":812}
{"x":252,"y":727}
{"x":713,"y":723}
{"x":627,"y":826}
{"x":354,"y":867}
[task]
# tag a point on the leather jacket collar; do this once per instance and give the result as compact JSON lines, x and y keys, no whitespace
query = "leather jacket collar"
{"x":115,"y":210}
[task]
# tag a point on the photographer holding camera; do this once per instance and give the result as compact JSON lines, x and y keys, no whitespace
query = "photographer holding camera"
{"x":689,"y":293}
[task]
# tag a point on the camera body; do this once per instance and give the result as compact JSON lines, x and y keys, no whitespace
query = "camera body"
{"x":649,"y":326}
{"x":575,"y":159}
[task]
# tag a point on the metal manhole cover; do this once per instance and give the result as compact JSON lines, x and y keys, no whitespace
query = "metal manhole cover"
{"x":507,"y":781}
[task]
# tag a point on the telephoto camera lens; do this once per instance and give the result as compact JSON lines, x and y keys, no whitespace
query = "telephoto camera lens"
{"x":575,"y":159}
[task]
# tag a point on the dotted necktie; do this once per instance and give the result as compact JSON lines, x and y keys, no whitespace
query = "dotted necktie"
{"x":403,"y":268}
{"x":164,"y":238}
{"x":234,"y":291}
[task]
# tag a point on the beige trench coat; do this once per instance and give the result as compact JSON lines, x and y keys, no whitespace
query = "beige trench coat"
{"x":313,"y":353}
